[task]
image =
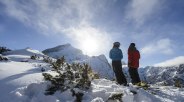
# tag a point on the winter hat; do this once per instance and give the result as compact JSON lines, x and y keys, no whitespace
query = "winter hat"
{"x":132,"y":44}
{"x":132,"y":47}
{"x":116,"y":44}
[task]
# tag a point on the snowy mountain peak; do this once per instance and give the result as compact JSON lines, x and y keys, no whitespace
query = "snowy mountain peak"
{"x":59,"y":48}
{"x":63,"y":46}
{"x":63,"y":50}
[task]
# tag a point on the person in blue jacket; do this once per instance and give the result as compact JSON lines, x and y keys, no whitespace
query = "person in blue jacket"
{"x":116,"y":55}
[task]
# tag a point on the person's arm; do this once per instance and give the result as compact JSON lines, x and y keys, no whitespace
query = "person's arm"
{"x":130,"y":58}
{"x":110,"y":55}
{"x":138,"y":54}
{"x":121,"y":54}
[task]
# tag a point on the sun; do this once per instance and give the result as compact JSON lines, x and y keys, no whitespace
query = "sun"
{"x":90,"y":46}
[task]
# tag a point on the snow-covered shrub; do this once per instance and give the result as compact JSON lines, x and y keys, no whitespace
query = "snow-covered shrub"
{"x":69,"y":76}
{"x":177,"y":84}
{"x":116,"y":97}
{"x":33,"y":57}
{"x":3,"y":58}
{"x":47,"y":59}
{"x":4,"y":49}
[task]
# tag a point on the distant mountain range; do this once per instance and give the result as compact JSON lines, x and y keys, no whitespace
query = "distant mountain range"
{"x":164,"y":75}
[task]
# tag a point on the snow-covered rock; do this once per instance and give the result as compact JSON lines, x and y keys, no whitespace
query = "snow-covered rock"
{"x":101,"y":66}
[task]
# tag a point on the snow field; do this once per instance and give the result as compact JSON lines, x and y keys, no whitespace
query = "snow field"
{"x":21,"y":80}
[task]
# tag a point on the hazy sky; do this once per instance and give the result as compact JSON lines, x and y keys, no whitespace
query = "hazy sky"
{"x":156,"y":26}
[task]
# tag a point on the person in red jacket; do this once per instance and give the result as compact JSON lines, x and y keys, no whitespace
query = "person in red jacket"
{"x":133,"y":63}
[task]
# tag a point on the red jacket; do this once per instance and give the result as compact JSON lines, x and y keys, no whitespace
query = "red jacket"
{"x":133,"y":59}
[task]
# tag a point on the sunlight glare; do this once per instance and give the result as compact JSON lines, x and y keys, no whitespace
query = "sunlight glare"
{"x":89,"y":46}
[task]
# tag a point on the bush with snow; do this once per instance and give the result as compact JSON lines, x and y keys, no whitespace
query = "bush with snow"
{"x":69,"y":76}
{"x":4,"y":49}
{"x":3,"y":58}
{"x":34,"y":57}
{"x":47,"y":59}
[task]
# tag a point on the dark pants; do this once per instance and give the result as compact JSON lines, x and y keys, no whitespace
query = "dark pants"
{"x":117,"y":67}
{"x":134,"y":75}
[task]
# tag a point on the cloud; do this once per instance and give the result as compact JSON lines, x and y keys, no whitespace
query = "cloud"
{"x":172,"y":62}
{"x":44,"y":15}
{"x":163,"y":46}
{"x":85,"y":32}
{"x":140,"y":10}
{"x":70,"y":18}
{"x":52,"y":16}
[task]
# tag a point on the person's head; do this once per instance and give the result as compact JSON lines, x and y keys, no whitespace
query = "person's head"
{"x":132,"y":47}
{"x":116,"y":45}
{"x":132,"y":44}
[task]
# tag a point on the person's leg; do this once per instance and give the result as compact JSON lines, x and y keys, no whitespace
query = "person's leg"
{"x":137,"y":78}
{"x":132,"y":75}
{"x":119,"y":76}
{"x":123,"y":78}
{"x":114,"y":65}
{"x":118,"y":72}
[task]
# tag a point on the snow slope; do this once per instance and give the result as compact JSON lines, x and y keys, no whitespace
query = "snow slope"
{"x":17,"y":74}
{"x":100,"y":92}
{"x":19,"y":71}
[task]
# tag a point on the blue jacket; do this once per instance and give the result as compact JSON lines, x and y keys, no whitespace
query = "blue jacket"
{"x":115,"y":54}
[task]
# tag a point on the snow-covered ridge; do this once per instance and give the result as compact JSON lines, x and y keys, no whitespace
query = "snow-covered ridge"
{"x":60,"y":48}
{"x":66,"y":50}
{"x":26,"y":51}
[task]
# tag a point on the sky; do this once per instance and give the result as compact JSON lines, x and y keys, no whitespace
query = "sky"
{"x":156,"y":26}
